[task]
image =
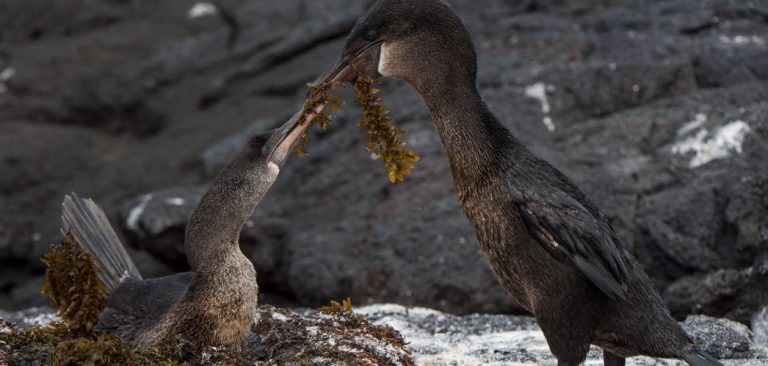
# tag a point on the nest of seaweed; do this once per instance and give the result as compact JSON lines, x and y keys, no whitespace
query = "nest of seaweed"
{"x":280,"y":336}
{"x":383,"y":138}
{"x":72,"y":284}
{"x":333,"y":336}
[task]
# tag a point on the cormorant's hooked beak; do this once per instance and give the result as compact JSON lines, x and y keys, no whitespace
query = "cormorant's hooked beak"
{"x":289,"y":132}
{"x":347,"y":67}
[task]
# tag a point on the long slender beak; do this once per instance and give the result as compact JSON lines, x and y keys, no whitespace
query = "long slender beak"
{"x":344,"y":69}
{"x":290,"y":131}
{"x":341,"y":71}
{"x":347,"y":67}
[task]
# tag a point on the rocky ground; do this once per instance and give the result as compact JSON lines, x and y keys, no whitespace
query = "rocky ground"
{"x":657,"y":110}
{"x":434,"y":338}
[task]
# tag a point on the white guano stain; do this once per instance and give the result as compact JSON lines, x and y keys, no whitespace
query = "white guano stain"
{"x":538,"y":91}
{"x":40,"y":320}
{"x":175,"y":201}
{"x":201,"y":9}
{"x":448,"y":347}
{"x":743,"y":40}
{"x":132,"y":222}
{"x":5,"y":76}
{"x":719,"y":145}
{"x":697,"y":122}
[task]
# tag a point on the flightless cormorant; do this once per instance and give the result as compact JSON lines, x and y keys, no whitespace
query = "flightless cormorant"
{"x":548,"y":245}
{"x":214,"y":304}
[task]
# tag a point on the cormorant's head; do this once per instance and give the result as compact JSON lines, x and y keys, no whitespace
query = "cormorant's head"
{"x":420,"y":41}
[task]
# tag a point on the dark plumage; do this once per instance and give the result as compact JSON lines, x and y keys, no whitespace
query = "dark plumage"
{"x":546,"y":243}
{"x":213,"y":305}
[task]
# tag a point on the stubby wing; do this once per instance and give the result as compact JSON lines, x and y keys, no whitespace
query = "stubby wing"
{"x":137,"y":301}
{"x":576,"y":236}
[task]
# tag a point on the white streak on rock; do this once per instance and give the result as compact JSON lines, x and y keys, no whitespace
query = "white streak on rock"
{"x":690,"y":126}
{"x":550,"y":125}
{"x":538,"y":91}
{"x":760,"y":327}
{"x":5,"y":76}
{"x":725,"y":140}
{"x":201,"y":9}
{"x":742,"y":40}
{"x":132,"y":222}
{"x":40,"y":320}
{"x":175,"y":201}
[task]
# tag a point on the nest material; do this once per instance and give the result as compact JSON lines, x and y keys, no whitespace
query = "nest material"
{"x":281,"y":337}
{"x":72,"y":284}
{"x":383,"y":138}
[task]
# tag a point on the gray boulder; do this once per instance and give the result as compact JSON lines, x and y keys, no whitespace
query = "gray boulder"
{"x":736,"y":294}
{"x":720,"y":338}
{"x":760,"y":327}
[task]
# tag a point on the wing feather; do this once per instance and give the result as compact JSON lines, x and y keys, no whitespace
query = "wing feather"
{"x":575,"y":235}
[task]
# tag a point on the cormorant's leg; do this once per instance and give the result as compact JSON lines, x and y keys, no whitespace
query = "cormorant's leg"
{"x":566,"y":363}
{"x":567,"y":341}
{"x":609,"y":359}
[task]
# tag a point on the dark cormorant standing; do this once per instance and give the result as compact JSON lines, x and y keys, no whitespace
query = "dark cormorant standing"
{"x":551,"y":248}
{"x":214,"y":304}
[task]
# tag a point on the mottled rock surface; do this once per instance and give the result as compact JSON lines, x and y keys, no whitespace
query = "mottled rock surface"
{"x":760,"y":327}
{"x":280,"y":337}
{"x":434,"y":338}
{"x":440,"y":339}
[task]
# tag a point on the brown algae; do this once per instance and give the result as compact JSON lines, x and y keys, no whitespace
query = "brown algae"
{"x":72,"y":284}
{"x":383,"y":138}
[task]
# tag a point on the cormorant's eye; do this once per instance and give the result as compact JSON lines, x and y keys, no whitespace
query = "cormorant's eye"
{"x":266,"y":149}
{"x":369,"y":36}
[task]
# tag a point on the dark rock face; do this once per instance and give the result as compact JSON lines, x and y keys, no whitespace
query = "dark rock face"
{"x":657,"y":111}
{"x":735,"y":294}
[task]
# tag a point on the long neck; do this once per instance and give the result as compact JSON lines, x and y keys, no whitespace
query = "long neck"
{"x":213,"y":231}
{"x":478,"y":145}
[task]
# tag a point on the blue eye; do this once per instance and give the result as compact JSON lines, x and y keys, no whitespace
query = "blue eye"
{"x":369,"y":36}
{"x":266,"y":149}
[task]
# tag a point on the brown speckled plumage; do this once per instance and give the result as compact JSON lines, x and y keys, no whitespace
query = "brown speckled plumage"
{"x":214,"y":304}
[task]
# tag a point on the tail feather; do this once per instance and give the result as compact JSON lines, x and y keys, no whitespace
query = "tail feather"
{"x":93,"y":232}
{"x":699,"y":358}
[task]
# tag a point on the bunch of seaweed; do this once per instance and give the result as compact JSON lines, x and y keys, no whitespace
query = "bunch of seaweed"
{"x":383,"y":138}
{"x":320,"y":96}
{"x":72,"y":284}
{"x":341,"y":309}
